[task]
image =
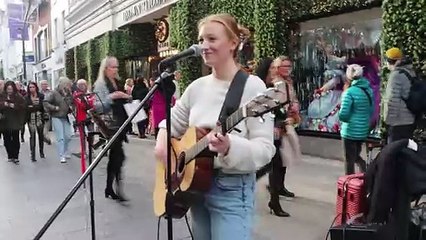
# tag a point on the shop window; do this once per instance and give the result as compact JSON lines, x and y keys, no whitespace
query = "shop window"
{"x":320,"y":56}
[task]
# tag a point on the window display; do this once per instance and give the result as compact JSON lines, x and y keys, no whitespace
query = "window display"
{"x":321,"y":57}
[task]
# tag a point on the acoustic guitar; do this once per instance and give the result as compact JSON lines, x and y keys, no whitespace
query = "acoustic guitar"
{"x":192,"y":163}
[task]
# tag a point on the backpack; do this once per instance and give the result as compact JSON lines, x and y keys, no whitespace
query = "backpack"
{"x":416,"y":100}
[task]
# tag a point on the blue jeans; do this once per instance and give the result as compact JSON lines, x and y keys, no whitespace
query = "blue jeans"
{"x":227,"y":210}
{"x":62,"y":129}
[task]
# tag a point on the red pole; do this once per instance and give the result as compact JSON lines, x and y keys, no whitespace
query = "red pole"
{"x":82,"y":148}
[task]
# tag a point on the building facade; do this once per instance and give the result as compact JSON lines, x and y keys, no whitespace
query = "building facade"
{"x":13,"y":43}
{"x":59,"y":9}
{"x":42,"y":40}
{"x":133,"y":31}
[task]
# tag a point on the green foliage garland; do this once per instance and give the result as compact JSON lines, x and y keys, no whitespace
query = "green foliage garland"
{"x":184,"y":17}
{"x":302,"y":10}
{"x":69,"y":63}
{"x":266,"y":36}
{"x":404,"y":26}
{"x":132,"y":41}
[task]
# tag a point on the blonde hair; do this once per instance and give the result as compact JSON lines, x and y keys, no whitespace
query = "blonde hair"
{"x":232,"y":28}
{"x":129,"y":80}
{"x":104,"y":64}
{"x":354,"y":71}
{"x":62,"y":83}
{"x":277,"y":61}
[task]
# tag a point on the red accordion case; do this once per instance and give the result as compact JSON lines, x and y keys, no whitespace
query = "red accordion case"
{"x":351,"y":197}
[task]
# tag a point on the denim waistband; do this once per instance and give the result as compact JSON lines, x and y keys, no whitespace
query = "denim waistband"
{"x":219,"y":172}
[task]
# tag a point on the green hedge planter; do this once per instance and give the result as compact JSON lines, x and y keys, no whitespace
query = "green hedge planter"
{"x":129,"y":42}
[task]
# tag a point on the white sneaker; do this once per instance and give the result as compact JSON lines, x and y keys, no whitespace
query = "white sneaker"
{"x":63,"y":160}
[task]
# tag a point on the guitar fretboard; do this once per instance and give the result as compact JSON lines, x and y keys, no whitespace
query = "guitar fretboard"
{"x":203,"y":143}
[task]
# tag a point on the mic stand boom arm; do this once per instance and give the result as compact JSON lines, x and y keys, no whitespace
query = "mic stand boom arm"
{"x":92,"y":166}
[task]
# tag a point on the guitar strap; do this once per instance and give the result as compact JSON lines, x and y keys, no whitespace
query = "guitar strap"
{"x":233,"y":97}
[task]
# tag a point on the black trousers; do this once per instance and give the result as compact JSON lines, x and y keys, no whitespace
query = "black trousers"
{"x":115,"y":163}
{"x":23,"y":133}
{"x":277,"y":174}
{"x":11,"y":143}
{"x":352,"y":149}
{"x":396,"y":133}
{"x":36,"y":130}
{"x":142,"y":125}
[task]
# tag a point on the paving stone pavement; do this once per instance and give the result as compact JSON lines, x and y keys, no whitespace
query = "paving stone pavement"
{"x":31,"y":192}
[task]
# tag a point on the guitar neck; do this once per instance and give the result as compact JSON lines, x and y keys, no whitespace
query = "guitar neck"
{"x":203,"y":143}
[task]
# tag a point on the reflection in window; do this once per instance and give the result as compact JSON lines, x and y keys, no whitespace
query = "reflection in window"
{"x":321,"y":58}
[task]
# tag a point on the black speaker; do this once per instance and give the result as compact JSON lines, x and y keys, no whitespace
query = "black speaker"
{"x":359,"y":232}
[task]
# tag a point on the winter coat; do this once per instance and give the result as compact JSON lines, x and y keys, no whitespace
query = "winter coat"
{"x":356,"y":110}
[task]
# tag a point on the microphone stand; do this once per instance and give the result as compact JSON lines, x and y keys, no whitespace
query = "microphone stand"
{"x":160,"y":81}
{"x":168,"y":94}
{"x":89,"y":139}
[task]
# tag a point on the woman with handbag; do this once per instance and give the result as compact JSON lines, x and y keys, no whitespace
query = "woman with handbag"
{"x":35,"y":118}
{"x":111,"y":99}
{"x":284,"y":66}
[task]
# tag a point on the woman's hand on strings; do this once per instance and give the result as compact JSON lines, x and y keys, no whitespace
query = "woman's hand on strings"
{"x":218,"y":143}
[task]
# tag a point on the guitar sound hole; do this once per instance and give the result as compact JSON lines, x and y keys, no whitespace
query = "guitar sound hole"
{"x":181,"y":163}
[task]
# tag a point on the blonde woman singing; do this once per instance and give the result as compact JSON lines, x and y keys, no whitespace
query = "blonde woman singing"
{"x":226,"y":211}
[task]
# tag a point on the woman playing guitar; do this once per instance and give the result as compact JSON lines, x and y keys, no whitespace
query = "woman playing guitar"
{"x":226,"y":211}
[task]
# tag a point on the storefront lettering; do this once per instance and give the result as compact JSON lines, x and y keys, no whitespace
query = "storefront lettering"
{"x":163,"y":46}
{"x":140,"y":8}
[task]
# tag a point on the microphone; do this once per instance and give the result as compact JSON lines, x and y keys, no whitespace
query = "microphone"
{"x":193,"y":51}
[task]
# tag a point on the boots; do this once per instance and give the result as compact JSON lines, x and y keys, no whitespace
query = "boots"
{"x":41,"y":146}
{"x":283,"y":190}
{"x":119,"y":188}
{"x":109,"y":191}
{"x":275,"y":207}
{"x":32,"y":149}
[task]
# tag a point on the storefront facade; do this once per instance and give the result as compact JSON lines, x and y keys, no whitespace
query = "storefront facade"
{"x":125,"y":29}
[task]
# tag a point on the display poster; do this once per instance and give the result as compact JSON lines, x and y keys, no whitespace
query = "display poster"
{"x":320,"y":62}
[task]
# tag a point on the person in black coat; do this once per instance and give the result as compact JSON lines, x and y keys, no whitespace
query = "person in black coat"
{"x":139,"y":92}
{"x":35,"y":118}
{"x":12,"y":107}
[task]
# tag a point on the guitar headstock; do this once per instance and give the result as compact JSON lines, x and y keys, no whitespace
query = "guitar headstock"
{"x":267,"y":101}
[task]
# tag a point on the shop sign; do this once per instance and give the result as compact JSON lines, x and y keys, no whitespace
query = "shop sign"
{"x":141,"y":7}
{"x":162,"y":34}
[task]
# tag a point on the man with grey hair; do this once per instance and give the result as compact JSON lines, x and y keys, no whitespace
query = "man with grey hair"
{"x":44,"y":87}
{"x":58,"y":103}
